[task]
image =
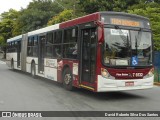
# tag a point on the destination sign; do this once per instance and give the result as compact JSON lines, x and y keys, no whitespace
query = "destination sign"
{"x":125,"y":22}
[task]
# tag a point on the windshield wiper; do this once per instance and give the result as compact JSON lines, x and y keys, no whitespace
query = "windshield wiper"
{"x":136,"y":46}
{"x":124,"y":37}
{"x":136,"y":38}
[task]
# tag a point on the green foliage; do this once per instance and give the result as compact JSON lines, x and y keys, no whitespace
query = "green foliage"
{"x":61,"y":17}
{"x":11,"y":14}
{"x":37,"y":15}
{"x":152,"y":11}
{"x":71,"y":5}
{"x":91,"y":6}
{"x":158,"y":1}
{"x":7,"y":25}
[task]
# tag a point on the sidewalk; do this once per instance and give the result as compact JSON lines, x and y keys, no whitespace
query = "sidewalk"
{"x":157,"y":83}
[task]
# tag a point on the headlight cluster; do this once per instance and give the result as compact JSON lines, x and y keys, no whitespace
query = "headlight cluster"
{"x":150,"y":73}
{"x":106,"y":74}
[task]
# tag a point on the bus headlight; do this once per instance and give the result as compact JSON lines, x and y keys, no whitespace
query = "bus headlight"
{"x":104,"y":73}
{"x":150,"y":73}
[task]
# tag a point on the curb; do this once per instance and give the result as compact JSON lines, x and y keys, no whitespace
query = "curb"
{"x":157,"y":83}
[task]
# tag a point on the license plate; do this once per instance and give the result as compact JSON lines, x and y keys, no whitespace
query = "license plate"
{"x":129,"y":83}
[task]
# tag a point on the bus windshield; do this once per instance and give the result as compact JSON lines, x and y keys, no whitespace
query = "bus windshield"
{"x":127,"y":47}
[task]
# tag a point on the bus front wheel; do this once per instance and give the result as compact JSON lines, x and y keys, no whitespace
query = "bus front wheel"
{"x":67,"y":79}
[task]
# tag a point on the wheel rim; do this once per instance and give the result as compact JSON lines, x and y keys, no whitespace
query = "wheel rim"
{"x":67,"y":79}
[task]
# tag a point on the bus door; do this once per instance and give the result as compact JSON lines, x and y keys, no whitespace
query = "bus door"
{"x":88,"y":56}
{"x":41,"y":46}
{"x":18,"y":53}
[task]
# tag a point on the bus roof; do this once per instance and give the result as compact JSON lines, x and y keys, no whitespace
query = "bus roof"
{"x":80,"y":20}
{"x":44,"y":30}
{"x":15,"y":38}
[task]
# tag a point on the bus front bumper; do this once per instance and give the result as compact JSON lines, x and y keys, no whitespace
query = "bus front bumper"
{"x":105,"y":85}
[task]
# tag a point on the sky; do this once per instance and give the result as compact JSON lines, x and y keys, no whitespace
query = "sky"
{"x":5,"y":5}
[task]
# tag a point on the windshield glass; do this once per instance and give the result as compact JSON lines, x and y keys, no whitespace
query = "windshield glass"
{"x":127,"y":48}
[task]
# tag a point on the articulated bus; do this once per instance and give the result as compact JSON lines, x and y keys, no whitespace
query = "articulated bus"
{"x":103,"y":51}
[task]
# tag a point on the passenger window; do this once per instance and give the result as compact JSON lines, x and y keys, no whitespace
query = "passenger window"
{"x":70,"y":46}
{"x":58,"y":37}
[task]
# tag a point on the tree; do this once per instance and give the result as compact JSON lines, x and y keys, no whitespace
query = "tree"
{"x":37,"y":15}
{"x":71,"y":5}
{"x":91,"y":6}
{"x":61,"y":17}
{"x":152,"y":11}
{"x":11,"y":14}
{"x":7,"y":25}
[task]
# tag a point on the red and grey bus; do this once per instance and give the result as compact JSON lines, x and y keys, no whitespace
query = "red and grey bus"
{"x":103,"y":51}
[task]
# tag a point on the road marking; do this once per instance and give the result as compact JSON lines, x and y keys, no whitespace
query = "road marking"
{"x":1,"y":62}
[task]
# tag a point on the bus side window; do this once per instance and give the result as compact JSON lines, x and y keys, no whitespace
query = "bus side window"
{"x":49,"y":45}
{"x":57,"y":41}
{"x":57,"y":51}
{"x":58,"y":37}
{"x":35,"y":46}
{"x":29,"y":48}
{"x":70,"y":46}
{"x":15,"y":46}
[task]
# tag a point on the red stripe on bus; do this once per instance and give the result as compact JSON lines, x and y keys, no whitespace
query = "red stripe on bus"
{"x":85,"y":19}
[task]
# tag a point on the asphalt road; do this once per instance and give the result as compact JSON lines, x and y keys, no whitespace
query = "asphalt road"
{"x":20,"y":92}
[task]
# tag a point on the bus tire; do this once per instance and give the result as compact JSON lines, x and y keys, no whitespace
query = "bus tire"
{"x":67,"y":79}
{"x":12,"y":64}
{"x":33,"y":70}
